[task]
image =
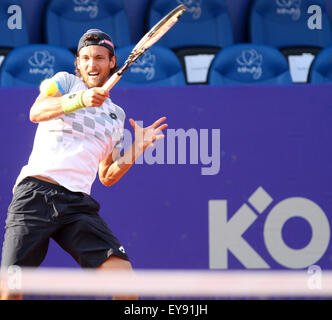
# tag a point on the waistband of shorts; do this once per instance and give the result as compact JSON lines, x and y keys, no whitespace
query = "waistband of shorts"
{"x":46,"y":184}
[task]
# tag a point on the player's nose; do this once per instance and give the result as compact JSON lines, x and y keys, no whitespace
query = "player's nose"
{"x":92,"y":62}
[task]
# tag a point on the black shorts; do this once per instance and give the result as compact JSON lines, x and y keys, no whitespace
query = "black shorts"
{"x":41,"y":210}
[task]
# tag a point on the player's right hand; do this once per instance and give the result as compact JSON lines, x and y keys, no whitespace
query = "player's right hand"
{"x":95,"y":97}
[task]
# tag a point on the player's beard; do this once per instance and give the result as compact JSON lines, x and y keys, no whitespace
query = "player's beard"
{"x":95,"y":81}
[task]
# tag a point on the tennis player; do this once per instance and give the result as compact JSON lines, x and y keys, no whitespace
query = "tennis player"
{"x":79,"y":134}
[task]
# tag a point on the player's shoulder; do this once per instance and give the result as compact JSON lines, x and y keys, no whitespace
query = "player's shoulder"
{"x":65,"y":75}
{"x":68,"y":82}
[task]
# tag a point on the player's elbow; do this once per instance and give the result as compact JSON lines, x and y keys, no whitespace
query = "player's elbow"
{"x":107,"y":182}
{"x":34,"y":114}
{"x":34,"y":117}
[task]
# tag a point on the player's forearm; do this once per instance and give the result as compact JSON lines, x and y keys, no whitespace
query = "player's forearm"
{"x":49,"y":107}
{"x":46,"y":109}
{"x":114,"y":171}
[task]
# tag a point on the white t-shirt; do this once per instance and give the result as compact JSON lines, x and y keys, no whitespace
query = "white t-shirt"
{"x":68,"y":149}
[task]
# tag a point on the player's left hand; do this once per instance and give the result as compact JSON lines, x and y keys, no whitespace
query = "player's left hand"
{"x":145,"y":137}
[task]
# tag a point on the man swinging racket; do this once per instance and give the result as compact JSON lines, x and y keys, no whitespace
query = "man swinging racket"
{"x":79,"y":134}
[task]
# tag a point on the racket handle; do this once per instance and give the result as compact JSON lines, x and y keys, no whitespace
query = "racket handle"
{"x":110,"y":83}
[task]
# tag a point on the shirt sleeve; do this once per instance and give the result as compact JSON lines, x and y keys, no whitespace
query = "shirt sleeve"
{"x":64,"y":80}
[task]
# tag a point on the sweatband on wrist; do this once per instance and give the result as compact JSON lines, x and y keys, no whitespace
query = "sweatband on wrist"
{"x":72,"y":102}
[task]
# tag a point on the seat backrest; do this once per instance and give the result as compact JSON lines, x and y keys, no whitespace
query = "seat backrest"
{"x":67,"y":20}
{"x":249,"y":64}
{"x":289,"y":23}
{"x":158,"y":66}
{"x":205,"y":23}
{"x":321,"y":68}
{"x":29,"y":65}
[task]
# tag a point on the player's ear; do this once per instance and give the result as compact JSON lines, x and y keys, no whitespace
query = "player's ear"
{"x":78,"y":62}
{"x":112,"y":62}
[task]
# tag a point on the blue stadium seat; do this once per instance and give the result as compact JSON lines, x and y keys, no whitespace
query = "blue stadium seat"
{"x":205,"y":23}
{"x":66,"y":21}
{"x":204,"y":28}
{"x":287,"y":25}
{"x":321,"y":68}
{"x":28,"y":65}
{"x":158,"y":66}
{"x":284,"y":23}
{"x":249,"y":64}
{"x":14,"y":31}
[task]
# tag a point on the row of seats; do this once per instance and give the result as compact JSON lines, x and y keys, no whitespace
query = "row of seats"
{"x":236,"y":64}
{"x":278,"y":23}
{"x":201,"y":33}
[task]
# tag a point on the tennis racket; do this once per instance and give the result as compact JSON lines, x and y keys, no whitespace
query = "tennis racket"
{"x":150,"y":38}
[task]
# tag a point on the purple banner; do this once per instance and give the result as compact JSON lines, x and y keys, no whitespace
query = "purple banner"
{"x":241,"y":180}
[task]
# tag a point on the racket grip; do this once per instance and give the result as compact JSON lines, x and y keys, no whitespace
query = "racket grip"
{"x":110,"y":83}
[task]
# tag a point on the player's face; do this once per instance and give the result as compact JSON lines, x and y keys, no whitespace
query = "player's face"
{"x":94,"y":63}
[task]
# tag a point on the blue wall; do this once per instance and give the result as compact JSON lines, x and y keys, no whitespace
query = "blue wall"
{"x":276,"y":138}
{"x":272,"y":140}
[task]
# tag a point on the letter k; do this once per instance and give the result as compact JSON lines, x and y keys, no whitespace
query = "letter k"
{"x":227,"y":235}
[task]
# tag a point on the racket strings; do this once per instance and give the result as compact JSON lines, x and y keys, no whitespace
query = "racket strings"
{"x":146,"y":42}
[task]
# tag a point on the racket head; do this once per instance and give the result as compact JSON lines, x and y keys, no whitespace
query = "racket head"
{"x":154,"y":34}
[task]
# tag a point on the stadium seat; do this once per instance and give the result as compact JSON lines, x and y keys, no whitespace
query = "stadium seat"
{"x":28,"y":65}
{"x":201,"y":32}
{"x":158,"y":66}
{"x":321,"y":68}
{"x":293,"y":28}
{"x":249,"y":64}
{"x":66,"y":21}
{"x":14,"y":31}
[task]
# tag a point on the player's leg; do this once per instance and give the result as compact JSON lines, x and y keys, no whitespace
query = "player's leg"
{"x":86,"y":236}
{"x":23,"y":247}
{"x":27,"y":231}
{"x":116,"y":263}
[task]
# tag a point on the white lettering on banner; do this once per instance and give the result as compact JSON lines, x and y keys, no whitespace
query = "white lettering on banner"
{"x":314,"y":215}
{"x":15,"y":20}
{"x":315,"y":21}
{"x":227,"y":235}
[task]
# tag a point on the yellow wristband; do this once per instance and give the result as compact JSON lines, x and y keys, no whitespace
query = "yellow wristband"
{"x":72,"y":102}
